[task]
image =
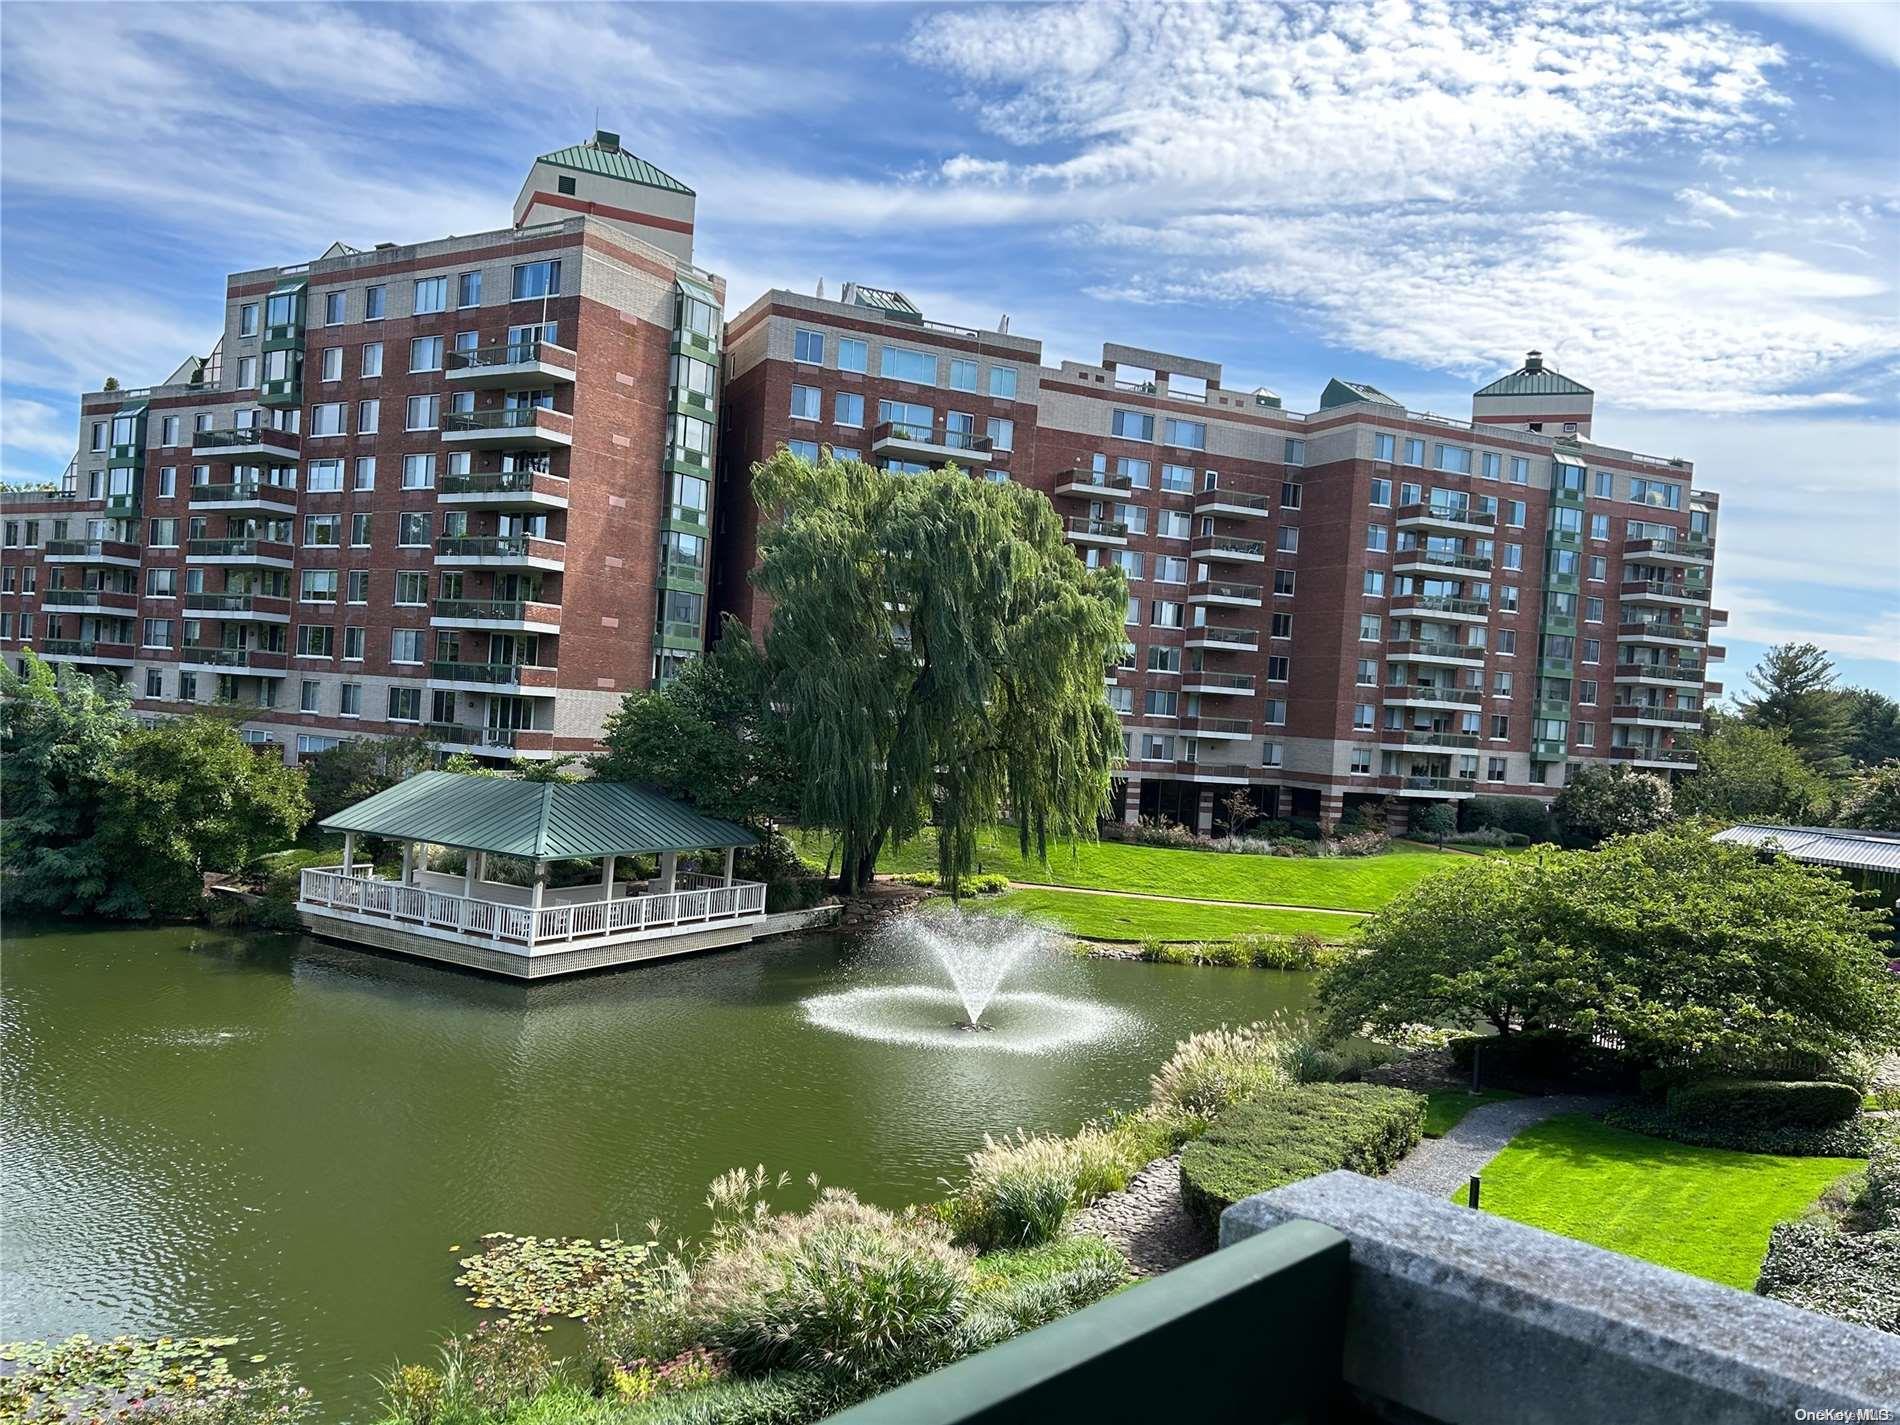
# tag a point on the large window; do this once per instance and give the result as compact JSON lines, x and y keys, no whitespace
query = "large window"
{"x":1003,"y":382}
{"x":432,"y":295}
{"x":538,"y":279}
{"x":425,"y":354}
{"x":807,"y":403}
{"x":963,"y":374}
{"x":1191,"y":435}
{"x":808,"y":347}
{"x":1133,"y":425}
{"x":900,"y":363}
{"x":853,"y":355}
{"x":848,"y":409}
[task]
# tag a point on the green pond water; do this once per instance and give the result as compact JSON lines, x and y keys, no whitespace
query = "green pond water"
{"x":282,"y":1139}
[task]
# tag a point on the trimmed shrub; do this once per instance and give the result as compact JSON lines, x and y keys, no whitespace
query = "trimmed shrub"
{"x":1527,"y":816}
{"x":1762,"y":1103}
{"x":1033,"y":1286}
{"x":1854,"y":1138}
{"x":1282,"y":1137}
{"x":1852,"y":1277}
{"x":1217,"y":1068}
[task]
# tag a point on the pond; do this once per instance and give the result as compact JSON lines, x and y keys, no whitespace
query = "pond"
{"x":283,"y":1139}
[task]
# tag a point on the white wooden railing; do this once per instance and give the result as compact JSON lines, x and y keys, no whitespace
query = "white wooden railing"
{"x":701,"y":899}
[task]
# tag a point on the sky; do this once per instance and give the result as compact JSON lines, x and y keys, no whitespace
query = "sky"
{"x":1693,"y":209}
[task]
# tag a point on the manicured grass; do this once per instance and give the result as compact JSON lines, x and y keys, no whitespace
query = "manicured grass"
{"x":1444,"y":1107}
{"x":1705,"y":1211}
{"x":1341,"y":882}
{"x":1127,"y":918}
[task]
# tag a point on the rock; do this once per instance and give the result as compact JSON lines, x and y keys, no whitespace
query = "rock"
{"x":1146,"y":1221}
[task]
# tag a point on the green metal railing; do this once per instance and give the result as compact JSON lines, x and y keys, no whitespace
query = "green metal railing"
{"x":1440,"y":603}
{"x":1212,"y":547}
{"x":494,"y":482}
{"x":1222,"y":633}
{"x":496,"y":546}
{"x":1403,"y":648}
{"x":1441,"y":559}
{"x":510,"y":609}
{"x":249,"y":491}
{"x":1100,"y":529}
{"x":507,"y":674}
{"x":1226,"y":682}
{"x":1222,"y":589}
{"x":1237,"y":498}
{"x":1433,"y":693}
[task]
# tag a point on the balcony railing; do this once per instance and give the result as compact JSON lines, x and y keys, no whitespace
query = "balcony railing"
{"x":1438,"y":784}
{"x":1222,"y":591}
{"x":1676,"y":756}
{"x":1442,"y":559}
{"x":264,"y":659}
{"x":501,"y":482}
{"x":1424,"y":692}
{"x":1661,"y":628}
{"x":1234,"y":499}
{"x":1221,"y":546}
{"x":1415,"y":738}
{"x":1427,"y":648}
{"x":902,"y":433}
{"x":247,"y":492}
{"x":1668,"y":549}
{"x":526,"y":675}
{"x":524,"y":422}
{"x":237,"y":548}
{"x":1223,"y":634}
{"x":1665,"y":588}
{"x":1441,"y":603}
{"x":100,"y":549}
{"x":498,"y":610}
{"x":1445,"y":514}
{"x":116,"y":599}
{"x":1217,"y":727}
{"x":1663,"y":672}
{"x":83,"y":648}
{"x":514,"y":353}
{"x":1682,"y":717}
{"x":1093,"y":483}
{"x":1200,"y":680}
{"x":1081,"y":527}
{"x":505,"y":739}
{"x":241,"y":440}
{"x":499,"y":546}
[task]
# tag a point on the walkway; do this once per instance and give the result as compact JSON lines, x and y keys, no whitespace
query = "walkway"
{"x":1440,"y":1166}
{"x":1146,"y":1221}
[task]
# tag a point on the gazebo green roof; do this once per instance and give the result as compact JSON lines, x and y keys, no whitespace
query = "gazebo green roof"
{"x":537,"y":821}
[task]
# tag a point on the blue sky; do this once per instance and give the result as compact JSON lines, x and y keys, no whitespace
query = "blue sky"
{"x":1695,"y":210}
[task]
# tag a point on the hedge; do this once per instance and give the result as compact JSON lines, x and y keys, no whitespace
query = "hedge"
{"x":1851,"y":1276}
{"x":1854,"y":1138}
{"x":1527,"y":816}
{"x":1289,"y":1134}
{"x":1763,"y":1103}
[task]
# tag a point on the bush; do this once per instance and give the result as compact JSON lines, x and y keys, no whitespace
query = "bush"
{"x":1880,"y":1197}
{"x":1854,"y":1138}
{"x":1025,"y":1289}
{"x":1217,"y":1068}
{"x":781,"y":1398}
{"x":1852,"y":1277}
{"x":1283,"y":1136}
{"x":498,"y":1363}
{"x":843,"y":1290}
{"x":1526,"y":816}
{"x":1762,"y":1103}
{"x":1362,"y":843}
{"x":1490,"y":836}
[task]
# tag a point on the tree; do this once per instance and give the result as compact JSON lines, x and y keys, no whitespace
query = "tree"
{"x":1679,"y":947}
{"x":1747,"y":773}
{"x":936,"y":652}
{"x":1794,"y":695}
{"x":1873,"y":726}
{"x":58,"y":738}
{"x":347,"y":773}
{"x":189,"y":796}
{"x":1872,"y":800}
{"x":708,"y":737}
{"x":1438,"y":820}
{"x":1601,"y":802}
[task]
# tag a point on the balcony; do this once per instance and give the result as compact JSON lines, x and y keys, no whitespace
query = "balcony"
{"x":508,"y":615}
{"x":1220,"y":549}
{"x":1673,"y":758}
{"x":934,"y":447}
{"x":97,"y":601}
{"x":85,"y":650}
{"x":1668,"y":592}
{"x":1422,"y":786}
{"x":1079,"y":529}
{"x":1234,"y":504}
{"x":500,"y":551}
{"x":112,"y":553}
{"x":1549,"y":749}
{"x":239,"y":608}
{"x":1661,"y":673}
{"x":1434,"y":561}
{"x":1228,"y":729}
{"x":1416,"y":737}
{"x":1661,"y":631}
{"x":1441,"y":606}
{"x":248,"y":443}
{"x":1199,"y":680}
{"x":1419,"y":650}
{"x":518,"y":428}
{"x":1094,"y":484}
{"x":528,"y":743}
{"x":1225,"y":595}
{"x":504,"y":490}
{"x":1426,"y":695}
{"x":1644,"y":715}
{"x":1224,"y":639}
{"x":1669,"y":551}
{"x":1452,"y":519}
{"x":516,"y":364}
{"x":259,"y":662}
{"x":259,"y":553}
{"x":254,"y":497}
{"x":1718,"y":618}
{"x":1226,"y":773}
{"x":520,"y":678}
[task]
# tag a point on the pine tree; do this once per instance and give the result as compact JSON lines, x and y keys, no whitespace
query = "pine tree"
{"x":1794,"y":695}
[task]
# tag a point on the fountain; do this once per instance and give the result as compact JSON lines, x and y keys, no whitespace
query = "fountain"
{"x":970,"y":957}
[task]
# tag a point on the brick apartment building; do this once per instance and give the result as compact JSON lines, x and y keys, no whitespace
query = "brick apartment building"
{"x":1357,"y":602}
{"x":467,"y":488}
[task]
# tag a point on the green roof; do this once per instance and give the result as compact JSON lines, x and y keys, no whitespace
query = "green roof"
{"x":1345,"y":393}
{"x":1541,"y":381}
{"x":537,"y":821}
{"x":613,"y":163}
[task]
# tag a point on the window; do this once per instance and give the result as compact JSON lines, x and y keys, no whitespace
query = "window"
{"x":246,"y":372}
{"x":1656,"y":492}
{"x":359,"y":531}
{"x":154,"y":683}
{"x":1190,"y":434}
{"x":321,"y":531}
{"x":1520,"y":470}
{"x":808,"y":347}
{"x":247,"y":319}
{"x":1383,"y":447}
{"x":1368,"y":674}
{"x":425,"y":354}
{"x":1592,"y":650}
{"x":1164,"y":613}
{"x":375,"y":302}
{"x":1372,"y":583}
{"x":1369,"y":628}
{"x":807,"y":403}
{"x":1278,"y":667}
{"x":1289,"y":539}
{"x":468,"y":290}
{"x":323,"y":476}
{"x":327,"y":419}
{"x":1381,"y":492}
{"x":315,"y":640}
{"x":1586,"y":734}
{"x":1361,"y":764}
{"x":1274,"y":714}
{"x":157,"y":633}
{"x":1492,"y":466}
{"x":963,"y":374}
{"x":405,"y":704}
{"x":168,"y":431}
{"x":1291,"y":493}
{"x":853,"y":355}
{"x":164,"y":534}
{"x":366,"y":472}
{"x":405,"y":645}
{"x":1133,"y":425}
{"x":1282,"y":625}
{"x":369,"y":417}
{"x":1283,"y":583}
{"x":1455,"y":458}
{"x":1514,"y":513}
{"x":412,"y":529}
{"x":1414,"y":451}
{"x":423,"y":413}
{"x":1599,"y":568}
{"x":1173,"y":524}
{"x":418,"y":472}
{"x":1271,"y":754}
{"x":1507,"y":641}
{"x":900,"y":363}
{"x":1494,"y":769}
{"x":188,"y":687}
{"x":350,"y":700}
{"x":1599,"y":526}
{"x":1159,"y":702}
{"x":1378,"y":538}
{"x":1507,"y":598}
{"x":1500,"y":727}
{"x":372,"y":358}
{"x":1003,"y":382}
{"x":1593,"y":611}
{"x":1002,"y":433}
{"x":537,"y":279}
{"x":1587,"y":692}
{"x":311,"y":696}
{"x":1604,"y":485}
{"x":359,"y":586}
{"x":1135,"y":470}
{"x":1362,"y":715}
{"x":847,"y":408}
{"x":160,"y":583}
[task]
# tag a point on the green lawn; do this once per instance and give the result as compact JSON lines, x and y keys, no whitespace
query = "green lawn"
{"x":1343,"y":882}
{"x":1126,"y":918}
{"x":1444,"y":1107}
{"x":1705,"y":1211}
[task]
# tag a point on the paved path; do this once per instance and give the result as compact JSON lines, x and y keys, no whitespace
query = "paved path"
{"x":1440,"y":1166}
{"x":1146,"y":1220}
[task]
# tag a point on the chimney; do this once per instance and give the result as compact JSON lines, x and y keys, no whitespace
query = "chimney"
{"x":1534,"y":361}
{"x":606,"y":141}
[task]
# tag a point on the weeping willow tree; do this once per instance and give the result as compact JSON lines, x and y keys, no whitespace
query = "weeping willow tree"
{"x":937,"y":652}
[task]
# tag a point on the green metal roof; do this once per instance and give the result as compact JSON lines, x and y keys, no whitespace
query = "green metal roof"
{"x":1539,"y":382}
{"x":884,"y":299}
{"x":613,"y":163}
{"x":1345,"y":393}
{"x":538,"y":821}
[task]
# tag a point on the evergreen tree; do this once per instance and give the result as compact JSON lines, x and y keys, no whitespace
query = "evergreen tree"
{"x":1873,"y":726}
{"x":1794,"y":695}
{"x":1747,"y":773}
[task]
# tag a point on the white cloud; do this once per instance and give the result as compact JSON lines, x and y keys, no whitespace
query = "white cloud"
{"x":1870,"y":26}
{"x":1704,"y":204}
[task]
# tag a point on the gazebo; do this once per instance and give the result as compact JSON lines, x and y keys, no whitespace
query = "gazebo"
{"x":532,"y":930}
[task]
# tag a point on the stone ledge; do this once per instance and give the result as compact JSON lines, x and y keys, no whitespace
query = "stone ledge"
{"x":1461,"y":1315}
